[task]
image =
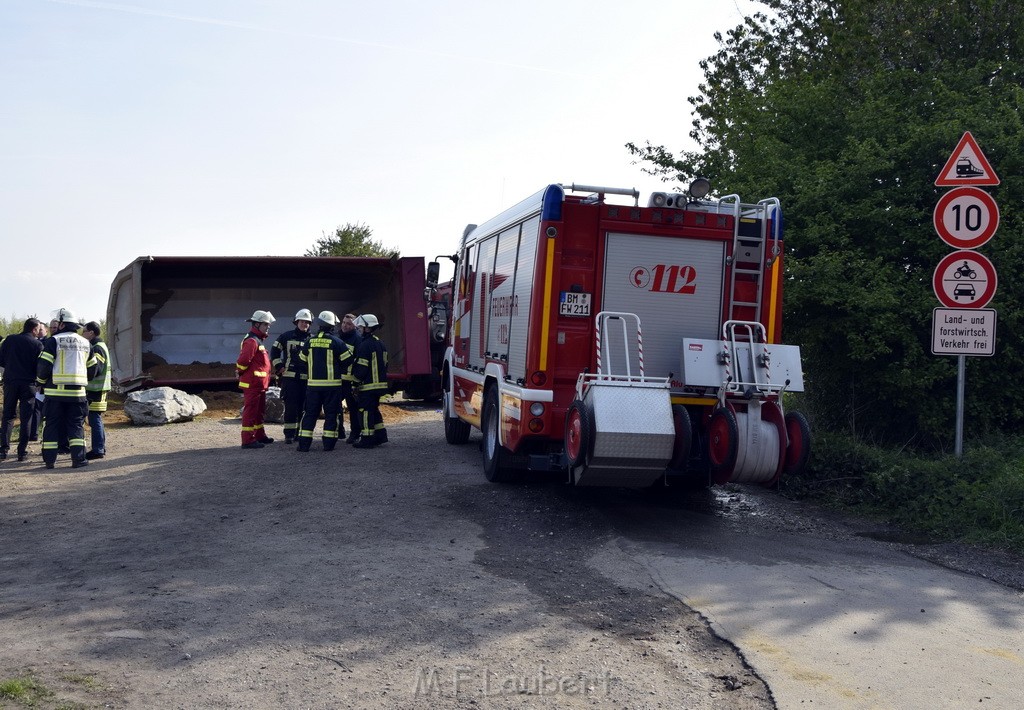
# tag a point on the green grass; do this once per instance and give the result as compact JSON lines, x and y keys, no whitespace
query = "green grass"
{"x":28,"y":691}
{"x":978,"y":498}
{"x":25,"y":690}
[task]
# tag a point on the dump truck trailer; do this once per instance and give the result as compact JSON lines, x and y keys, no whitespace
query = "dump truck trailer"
{"x":178,"y":320}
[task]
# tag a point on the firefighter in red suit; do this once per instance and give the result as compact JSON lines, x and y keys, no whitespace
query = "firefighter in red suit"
{"x":254,"y":379}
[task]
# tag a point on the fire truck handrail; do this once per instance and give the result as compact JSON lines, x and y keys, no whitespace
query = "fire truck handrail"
{"x":628,"y":191}
{"x":604,"y":359}
{"x":757,"y":361}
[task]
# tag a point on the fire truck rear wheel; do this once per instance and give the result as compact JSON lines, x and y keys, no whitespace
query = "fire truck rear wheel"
{"x":723,"y":443}
{"x":456,"y":431}
{"x":495,"y":455}
{"x":798,"y":431}
{"x":579,"y":436}
{"x":683,"y":440}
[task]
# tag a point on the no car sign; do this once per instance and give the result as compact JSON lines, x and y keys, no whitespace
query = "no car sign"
{"x":964,"y":279}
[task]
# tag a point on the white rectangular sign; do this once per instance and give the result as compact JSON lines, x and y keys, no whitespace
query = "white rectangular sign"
{"x":963,"y":331}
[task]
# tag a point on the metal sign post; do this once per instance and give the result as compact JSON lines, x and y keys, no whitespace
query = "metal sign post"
{"x":965,"y":218}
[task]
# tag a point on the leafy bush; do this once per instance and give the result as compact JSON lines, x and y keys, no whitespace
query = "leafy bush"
{"x":978,"y":498}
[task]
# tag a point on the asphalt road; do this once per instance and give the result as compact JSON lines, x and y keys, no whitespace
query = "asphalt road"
{"x":827,"y":617}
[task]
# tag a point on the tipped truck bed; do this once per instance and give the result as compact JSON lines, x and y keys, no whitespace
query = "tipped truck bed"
{"x":179,"y":320}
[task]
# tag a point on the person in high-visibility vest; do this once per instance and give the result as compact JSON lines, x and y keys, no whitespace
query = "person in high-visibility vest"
{"x":64,"y":368}
{"x":253,"y":367}
{"x":96,"y":391}
{"x":327,"y":360}
{"x":370,"y":374}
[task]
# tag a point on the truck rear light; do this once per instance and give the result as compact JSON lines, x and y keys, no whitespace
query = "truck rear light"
{"x":537,"y":409}
{"x":536,"y":425}
{"x":538,"y":379}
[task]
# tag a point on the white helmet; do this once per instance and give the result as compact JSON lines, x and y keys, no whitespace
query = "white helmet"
{"x":66,"y":315}
{"x":368,"y":320}
{"x":262,"y":317}
{"x":303,"y":314}
{"x":328,"y":318}
{"x":69,"y":317}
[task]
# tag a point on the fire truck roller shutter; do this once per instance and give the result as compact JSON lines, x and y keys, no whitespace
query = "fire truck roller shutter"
{"x":675,"y":286}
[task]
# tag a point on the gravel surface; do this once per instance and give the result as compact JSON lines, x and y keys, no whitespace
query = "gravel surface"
{"x":184,"y":572}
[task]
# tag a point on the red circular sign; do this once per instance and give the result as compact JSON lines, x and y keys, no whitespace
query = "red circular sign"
{"x":964,"y":279}
{"x":966,"y":217}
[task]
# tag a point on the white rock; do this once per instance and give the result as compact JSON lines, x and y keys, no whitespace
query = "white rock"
{"x":162,"y":405}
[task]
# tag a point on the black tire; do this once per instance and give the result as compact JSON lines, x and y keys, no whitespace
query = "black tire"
{"x":798,"y":448}
{"x":684,"y":438}
{"x":496,"y":468}
{"x":456,"y":431}
{"x":723,"y":443}
{"x":579,"y":436}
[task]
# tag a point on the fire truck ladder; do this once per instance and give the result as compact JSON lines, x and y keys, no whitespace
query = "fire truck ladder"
{"x":751,"y":252}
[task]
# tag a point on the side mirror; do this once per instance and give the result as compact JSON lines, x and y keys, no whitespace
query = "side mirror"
{"x":433,"y":273}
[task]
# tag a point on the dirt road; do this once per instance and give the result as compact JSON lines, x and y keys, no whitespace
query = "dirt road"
{"x":183,"y":572}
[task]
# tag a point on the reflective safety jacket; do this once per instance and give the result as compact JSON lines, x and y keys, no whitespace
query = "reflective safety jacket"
{"x":371,"y":369}
{"x":253,"y":362}
{"x":99,"y":384}
{"x":327,"y":359}
{"x":65,"y":366}
{"x":351,"y":339}
{"x":285,"y":353}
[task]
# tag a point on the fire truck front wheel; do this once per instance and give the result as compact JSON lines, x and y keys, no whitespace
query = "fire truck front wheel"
{"x":496,"y":467}
{"x":456,"y":431}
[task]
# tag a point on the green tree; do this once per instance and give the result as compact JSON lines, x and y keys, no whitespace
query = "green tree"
{"x":847,"y":110}
{"x":350,"y":240}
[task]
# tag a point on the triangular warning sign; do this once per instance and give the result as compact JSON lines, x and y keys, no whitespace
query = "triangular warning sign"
{"x":967,"y":166}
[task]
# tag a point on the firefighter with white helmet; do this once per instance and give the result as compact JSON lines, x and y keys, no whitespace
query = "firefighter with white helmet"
{"x":350,"y":335}
{"x":64,"y":368}
{"x":327,"y":360}
{"x":291,"y":372}
{"x":253,"y":366}
{"x":370,"y":373}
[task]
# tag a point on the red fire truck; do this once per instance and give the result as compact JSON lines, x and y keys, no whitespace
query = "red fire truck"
{"x":624,"y":345}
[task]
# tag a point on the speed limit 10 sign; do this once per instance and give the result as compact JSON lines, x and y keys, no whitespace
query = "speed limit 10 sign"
{"x":966,"y":217}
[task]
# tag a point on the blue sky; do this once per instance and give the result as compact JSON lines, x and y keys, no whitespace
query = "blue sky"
{"x":250,"y":127}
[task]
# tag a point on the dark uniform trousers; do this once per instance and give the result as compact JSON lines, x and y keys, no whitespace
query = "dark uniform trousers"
{"x":20,"y":398}
{"x":64,"y":416}
{"x":329,"y":400}
{"x":372,"y":423}
{"x":293,"y":394}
